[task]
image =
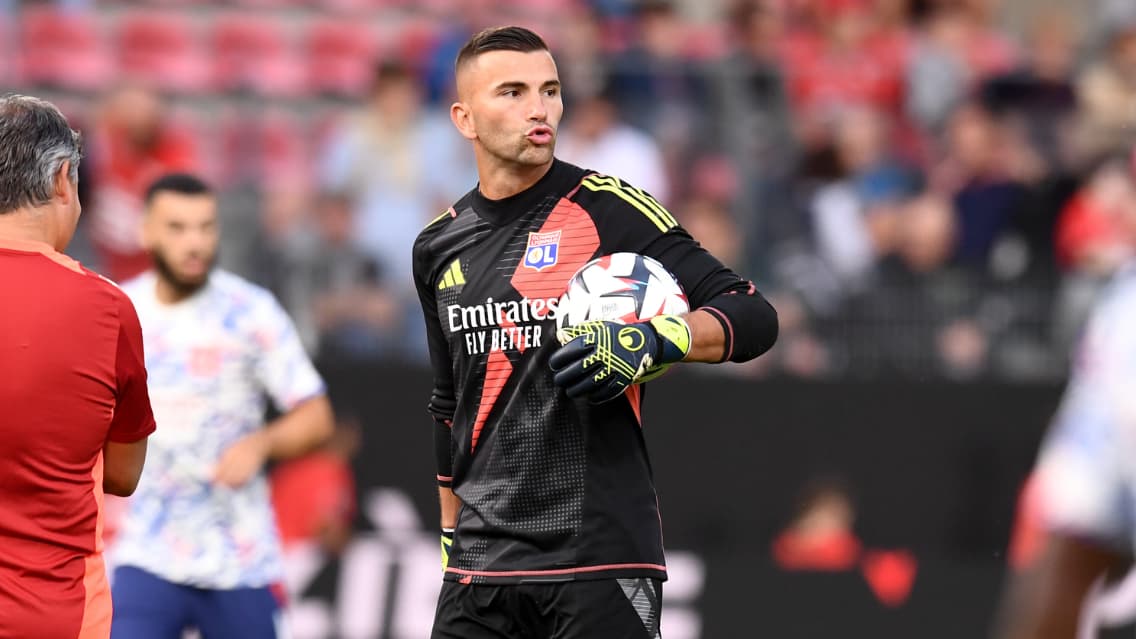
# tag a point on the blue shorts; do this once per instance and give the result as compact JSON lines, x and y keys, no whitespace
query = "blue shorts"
{"x":149,"y":607}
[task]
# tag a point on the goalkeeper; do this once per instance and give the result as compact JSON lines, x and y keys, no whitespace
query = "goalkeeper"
{"x":550,"y":520}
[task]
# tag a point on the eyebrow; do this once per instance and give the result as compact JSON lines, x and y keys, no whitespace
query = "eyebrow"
{"x":516,"y":84}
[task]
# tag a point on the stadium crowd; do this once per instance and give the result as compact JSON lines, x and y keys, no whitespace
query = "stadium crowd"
{"x":925,"y":187}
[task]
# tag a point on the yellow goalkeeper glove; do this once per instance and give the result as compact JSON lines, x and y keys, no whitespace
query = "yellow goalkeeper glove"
{"x":447,"y":546}
{"x":599,"y":359}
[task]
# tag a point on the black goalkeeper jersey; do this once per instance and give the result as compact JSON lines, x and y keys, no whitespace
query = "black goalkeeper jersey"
{"x":551,"y":488}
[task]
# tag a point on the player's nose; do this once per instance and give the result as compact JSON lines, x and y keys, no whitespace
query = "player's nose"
{"x":538,"y":111}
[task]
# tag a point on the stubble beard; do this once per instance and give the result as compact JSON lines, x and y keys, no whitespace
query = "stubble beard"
{"x":524,"y":154}
{"x":184,"y":287}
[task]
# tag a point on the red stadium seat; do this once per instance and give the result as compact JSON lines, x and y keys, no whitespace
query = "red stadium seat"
{"x":254,"y":53}
{"x":195,"y":123}
{"x":264,"y":147}
{"x":163,"y":50}
{"x":284,"y":153}
{"x":175,"y":4}
{"x":361,"y":6}
{"x":341,"y":57}
{"x":273,"y":4}
{"x":62,"y":49}
{"x":415,"y":41}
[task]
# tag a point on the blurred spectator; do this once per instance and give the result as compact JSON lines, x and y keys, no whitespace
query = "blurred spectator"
{"x":853,"y":216}
{"x":334,"y":291}
{"x":1038,"y":105}
{"x":810,"y":124}
{"x":132,"y":143}
{"x":758,"y":137}
{"x":402,"y":165}
{"x":1040,"y":91}
{"x":954,"y":53}
{"x":820,"y":536}
{"x":839,"y":68}
{"x":1088,"y":237}
{"x":595,"y":138}
{"x":921,"y":316}
{"x":1107,"y":94}
{"x":658,"y":88}
{"x":581,"y":59}
{"x":980,"y":169}
{"x":1091,"y":245}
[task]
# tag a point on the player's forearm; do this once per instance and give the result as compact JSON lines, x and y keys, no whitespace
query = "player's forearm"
{"x":747,"y":326}
{"x":714,"y":336}
{"x":450,"y":505}
{"x":707,"y":339}
{"x":301,"y":429}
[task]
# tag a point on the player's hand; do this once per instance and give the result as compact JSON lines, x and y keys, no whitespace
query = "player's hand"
{"x":447,"y":546}
{"x":242,"y":461}
{"x":600,"y":359}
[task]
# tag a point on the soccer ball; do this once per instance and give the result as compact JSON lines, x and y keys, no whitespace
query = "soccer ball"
{"x":621,"y":287}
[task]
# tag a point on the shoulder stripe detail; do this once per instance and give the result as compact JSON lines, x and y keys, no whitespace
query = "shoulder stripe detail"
{"x":450,"y":212}
{"x":646,"y":204}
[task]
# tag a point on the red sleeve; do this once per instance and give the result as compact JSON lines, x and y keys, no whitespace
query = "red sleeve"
{"x":133,"y":420}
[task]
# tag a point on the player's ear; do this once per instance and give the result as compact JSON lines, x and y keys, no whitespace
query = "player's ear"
{"x":462,"y":118}
{"x":62,"y":183}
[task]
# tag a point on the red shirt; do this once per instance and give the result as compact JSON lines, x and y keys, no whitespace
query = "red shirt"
{"x":72,"y":377}
{"x":310,"y":492}
{"x":121,"y":174}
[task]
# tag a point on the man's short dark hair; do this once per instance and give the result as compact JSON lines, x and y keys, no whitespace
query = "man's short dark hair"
{"x":182,"y":183}
{"x":35,"y":141}
{"x":517,"y":39}
{"x":391,"y":70}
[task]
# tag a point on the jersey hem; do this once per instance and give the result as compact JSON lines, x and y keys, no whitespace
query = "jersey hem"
{"x":580,"y":573}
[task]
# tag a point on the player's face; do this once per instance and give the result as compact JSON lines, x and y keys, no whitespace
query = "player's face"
{"x":181,"y":234}
{"x":511,"y":105}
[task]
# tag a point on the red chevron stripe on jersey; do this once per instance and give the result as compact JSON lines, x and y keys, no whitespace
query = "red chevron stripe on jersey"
{"x":497,"y":371}
{"x":579,"y":242}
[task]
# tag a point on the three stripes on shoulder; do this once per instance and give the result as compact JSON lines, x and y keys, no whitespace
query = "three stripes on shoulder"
{"x":637,"y":198}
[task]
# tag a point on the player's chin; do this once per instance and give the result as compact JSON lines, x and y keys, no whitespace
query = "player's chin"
{"x":535,"y":155}
{"x":192,"y":279}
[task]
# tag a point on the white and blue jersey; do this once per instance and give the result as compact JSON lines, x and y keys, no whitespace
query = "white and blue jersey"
{"x":213,"y":360}
{"x":1087,"y":468}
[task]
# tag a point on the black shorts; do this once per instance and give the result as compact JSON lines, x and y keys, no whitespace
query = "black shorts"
{"x":595,"y":609}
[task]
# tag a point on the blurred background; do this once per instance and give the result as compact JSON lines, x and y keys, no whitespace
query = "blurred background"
{"x":925,"y":189}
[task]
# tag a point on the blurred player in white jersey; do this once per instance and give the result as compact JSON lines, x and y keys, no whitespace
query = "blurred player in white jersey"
{"x":198,"y":547}
{"x":1086,"y":472}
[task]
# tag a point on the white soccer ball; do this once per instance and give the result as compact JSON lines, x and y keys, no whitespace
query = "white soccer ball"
{"x":621,"y":287}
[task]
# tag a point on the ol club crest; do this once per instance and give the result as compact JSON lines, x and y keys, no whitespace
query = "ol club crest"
{"x":542,"y":250}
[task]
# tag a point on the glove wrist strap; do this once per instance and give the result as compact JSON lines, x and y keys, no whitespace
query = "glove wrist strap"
{"x":674,"y":338}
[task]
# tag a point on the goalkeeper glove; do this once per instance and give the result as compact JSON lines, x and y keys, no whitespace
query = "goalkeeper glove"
{"x":447,"y":546}
{"x":600,"y":359}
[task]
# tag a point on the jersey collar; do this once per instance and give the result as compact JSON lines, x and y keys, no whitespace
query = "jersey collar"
{"x":557,"y":181}
{"x":32,"y":246}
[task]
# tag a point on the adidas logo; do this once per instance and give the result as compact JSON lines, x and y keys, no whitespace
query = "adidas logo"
{"x":453,"y":276}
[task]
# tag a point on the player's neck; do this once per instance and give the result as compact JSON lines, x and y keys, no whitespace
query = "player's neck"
{"x":28,"y":225}
{"x":499,"y":181}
